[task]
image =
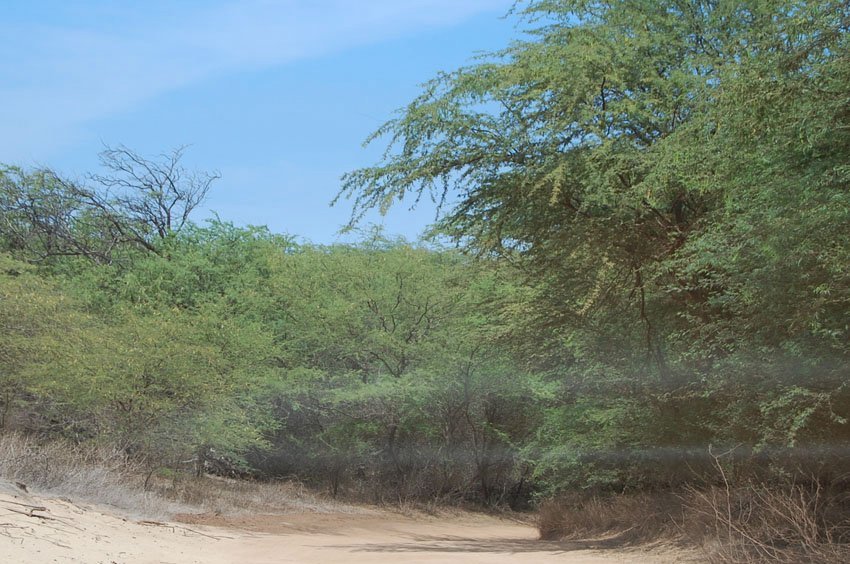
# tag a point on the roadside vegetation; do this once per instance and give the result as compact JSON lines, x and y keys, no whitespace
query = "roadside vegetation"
{"x":109,"y":477}
{"x":632,"y":314}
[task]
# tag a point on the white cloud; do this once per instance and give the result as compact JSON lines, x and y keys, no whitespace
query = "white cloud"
{"x":58,"y":78}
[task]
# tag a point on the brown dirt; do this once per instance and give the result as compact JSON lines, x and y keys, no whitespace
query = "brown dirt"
{"x":61,"y":531}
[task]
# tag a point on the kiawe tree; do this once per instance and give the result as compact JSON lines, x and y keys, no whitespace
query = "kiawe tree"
{"x":135,"y":203}
{"x":144,"y":198}
{"x":593,"y":132}
{"x":596,"y":151}
{"x":548,"y":145}
{"x":671,"y":179}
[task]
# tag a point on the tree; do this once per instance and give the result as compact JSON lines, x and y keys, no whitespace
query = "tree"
{"x":142,"y":198}
{"x":670,"y":178}
{"x":40,"y":218}
{"x":137,"y":203}
{"x":593,"y":152}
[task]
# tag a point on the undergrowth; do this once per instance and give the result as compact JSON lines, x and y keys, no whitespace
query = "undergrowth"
{"x":750,"y":522}
{"x":107,"y":476}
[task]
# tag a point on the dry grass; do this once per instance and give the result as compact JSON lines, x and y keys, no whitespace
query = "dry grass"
{"x":631,"y":519}
{"x":86,"y":473}
{"x":752,"y":522}
{"x":107,"y":476}
{"x":230,"y":496}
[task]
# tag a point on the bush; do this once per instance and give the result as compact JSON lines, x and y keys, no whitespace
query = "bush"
{"x":762,"y":522}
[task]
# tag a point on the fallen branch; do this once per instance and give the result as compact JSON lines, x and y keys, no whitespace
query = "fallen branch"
{"x":32,"y":507}
{"x":31,"y":513}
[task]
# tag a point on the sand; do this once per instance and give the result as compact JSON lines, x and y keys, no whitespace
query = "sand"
{"x":44,"y":530}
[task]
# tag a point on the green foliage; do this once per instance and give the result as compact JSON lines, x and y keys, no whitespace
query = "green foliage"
{"x":392,"y":370}
{"x":158,"y":363}
{"x":31,"y":309}
{"x":654,"y":200}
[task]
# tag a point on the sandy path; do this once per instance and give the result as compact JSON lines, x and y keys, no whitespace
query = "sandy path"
{"x":60,"y":531}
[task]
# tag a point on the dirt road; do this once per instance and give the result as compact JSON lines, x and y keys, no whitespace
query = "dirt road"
{"x":49,"y":530}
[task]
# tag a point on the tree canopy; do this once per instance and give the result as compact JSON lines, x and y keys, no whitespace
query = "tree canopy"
{"x":642,"y":152}
{"x":670,"y":179}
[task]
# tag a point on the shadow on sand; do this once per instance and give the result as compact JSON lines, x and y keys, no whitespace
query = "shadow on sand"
{"x":451,"y":544}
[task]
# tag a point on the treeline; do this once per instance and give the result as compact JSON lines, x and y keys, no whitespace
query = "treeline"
{"x":367,"y":369}
{"x":652,"y":213}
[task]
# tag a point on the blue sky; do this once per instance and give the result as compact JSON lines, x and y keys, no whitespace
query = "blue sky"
{"x":276,"y":95}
